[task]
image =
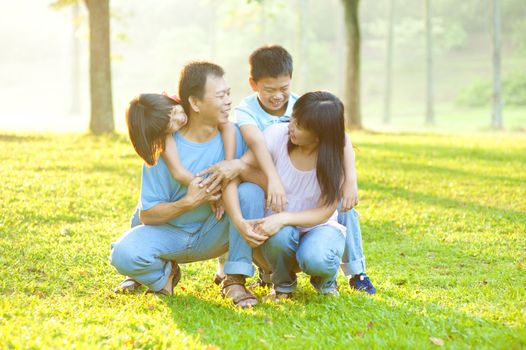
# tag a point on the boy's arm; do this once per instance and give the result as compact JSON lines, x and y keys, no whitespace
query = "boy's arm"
{"x":173,"y":162}
{"x":228,"y":135}
{"x":276,"y":196}
{"x":350,"y":184}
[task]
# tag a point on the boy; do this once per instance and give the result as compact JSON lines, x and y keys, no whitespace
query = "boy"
{"x":272,"y":102}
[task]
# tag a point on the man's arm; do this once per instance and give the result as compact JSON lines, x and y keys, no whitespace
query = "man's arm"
{"x":166,"y":211}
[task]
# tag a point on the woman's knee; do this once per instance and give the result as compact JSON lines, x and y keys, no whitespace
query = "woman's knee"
{"x":318,"y":262}
{"x":284,"y":240}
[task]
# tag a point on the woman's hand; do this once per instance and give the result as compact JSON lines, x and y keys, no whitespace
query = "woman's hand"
{"x":349,"y":195}
{"x":270,"y":225}
{"x":247,"y":230}
{"x":276,"y":196}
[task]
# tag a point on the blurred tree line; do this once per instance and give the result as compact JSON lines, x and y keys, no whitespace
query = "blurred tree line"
{"x":316,"y":33}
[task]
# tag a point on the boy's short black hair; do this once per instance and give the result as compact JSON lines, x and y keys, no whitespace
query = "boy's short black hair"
{"x":270,"y":61}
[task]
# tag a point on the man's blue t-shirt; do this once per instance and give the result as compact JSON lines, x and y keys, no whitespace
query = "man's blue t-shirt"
{"x":158,"y":185}
{"x":250,"y":112}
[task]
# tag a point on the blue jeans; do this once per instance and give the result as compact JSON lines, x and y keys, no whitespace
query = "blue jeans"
{"x":143,"y":253}
{"x":317,"y":253}
{"x":353,"y":261}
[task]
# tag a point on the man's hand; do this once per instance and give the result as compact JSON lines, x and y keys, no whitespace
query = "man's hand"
{"x":224,"y":171}
{"x":276,"y":196}
{"x":270,"y":225}
{"x":198,"y":194}
{"x":247,"y":230}
{"x":349,"y":195}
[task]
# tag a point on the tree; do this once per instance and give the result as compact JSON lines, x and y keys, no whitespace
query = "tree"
{"x":496,"y":118}
{"x":429,"y":64}
{"x":352,"y":72}
{"x":389,"y":64}
{"x":101,"y":118}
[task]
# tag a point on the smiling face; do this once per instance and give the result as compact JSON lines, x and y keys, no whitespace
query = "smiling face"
{"x":178,"y":119}
{"x":216,"y":103}
{"x":273,"y":93}
{"x":300,"y":136}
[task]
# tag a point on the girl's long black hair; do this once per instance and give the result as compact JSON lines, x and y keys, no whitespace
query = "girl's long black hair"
{"x":321,"y":113}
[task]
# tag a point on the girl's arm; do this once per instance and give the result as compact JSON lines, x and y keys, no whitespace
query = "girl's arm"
{"x":171,"y":157}
{"x":350,"y":184}
{"x":276,"y":196}
{"x":306,"y":218}
{"x":233,"y":209}
{"x":228,"y":135}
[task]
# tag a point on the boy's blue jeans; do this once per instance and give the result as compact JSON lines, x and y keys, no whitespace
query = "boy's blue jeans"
{"x":353,"y":261}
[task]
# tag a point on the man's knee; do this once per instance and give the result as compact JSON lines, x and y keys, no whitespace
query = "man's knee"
{"x":126,"y":259}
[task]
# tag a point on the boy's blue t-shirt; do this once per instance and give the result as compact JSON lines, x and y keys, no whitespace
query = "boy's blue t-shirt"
{"x":250,"y":112}
{"x":158,"y":185}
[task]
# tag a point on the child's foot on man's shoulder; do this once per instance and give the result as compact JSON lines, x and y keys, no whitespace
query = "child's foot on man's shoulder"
{"x":362,"y":283}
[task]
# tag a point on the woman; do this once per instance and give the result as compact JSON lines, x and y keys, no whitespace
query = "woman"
{"x":308,"y":154}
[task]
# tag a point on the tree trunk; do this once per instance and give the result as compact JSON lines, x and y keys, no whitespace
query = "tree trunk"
{"x":496,"y":118}
{"x":389,"y":64}
{"x":74,"y":107}
{"x":430,"y":117}
{"x":352,"y":75}
{"x":101,"y":120}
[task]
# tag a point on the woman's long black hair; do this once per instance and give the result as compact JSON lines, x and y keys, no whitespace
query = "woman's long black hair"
{"x":321,"y":113}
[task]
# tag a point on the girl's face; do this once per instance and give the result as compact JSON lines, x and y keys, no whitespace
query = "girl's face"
{"x":177,"y":119}
{"x":300,"y":136}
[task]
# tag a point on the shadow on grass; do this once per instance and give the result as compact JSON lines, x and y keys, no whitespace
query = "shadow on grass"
{"x":22,"y":138}
{"x":314,"y":321}
{"x":445,"y":202}
{"x":433,"y":151}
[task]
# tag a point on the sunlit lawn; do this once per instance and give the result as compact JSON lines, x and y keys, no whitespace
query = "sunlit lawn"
{"x":444,"y":229}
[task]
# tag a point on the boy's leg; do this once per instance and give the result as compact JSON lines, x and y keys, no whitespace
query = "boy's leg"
{"x":353,"y":261}
{"x":319,"y":254}
{"x":251,"y":200}
{"x":280,"y":253}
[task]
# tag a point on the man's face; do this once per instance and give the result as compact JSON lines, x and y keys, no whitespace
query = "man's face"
{"x":216,"y":102}
{"x":273,"y":93}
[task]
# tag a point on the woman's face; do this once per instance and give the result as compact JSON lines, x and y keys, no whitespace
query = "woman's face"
{"x":301,"y":136}
{"x":177,"y":119}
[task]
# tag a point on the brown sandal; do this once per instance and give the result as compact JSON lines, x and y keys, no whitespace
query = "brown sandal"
{"x":175,"y":275}
{"x":275,"y":296}
{"x":233,"y":287}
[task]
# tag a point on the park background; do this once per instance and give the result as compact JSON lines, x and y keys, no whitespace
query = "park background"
{"x":443,"y":204}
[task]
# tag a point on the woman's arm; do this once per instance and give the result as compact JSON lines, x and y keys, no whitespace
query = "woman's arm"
{"x":350,"y":184}
{"x":306,"y":218}
{"x":173,"y":162}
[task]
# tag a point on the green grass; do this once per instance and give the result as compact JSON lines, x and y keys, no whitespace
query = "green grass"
{"x":444,"y":229}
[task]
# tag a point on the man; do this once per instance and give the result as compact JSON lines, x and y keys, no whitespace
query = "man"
{"x":178,"y":224}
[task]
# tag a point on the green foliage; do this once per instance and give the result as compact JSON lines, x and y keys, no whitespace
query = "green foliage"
{"x":442,"y":217}
{"x":478,"y":93}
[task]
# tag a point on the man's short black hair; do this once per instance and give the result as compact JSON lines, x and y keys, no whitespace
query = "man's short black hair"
{"x":270,"y":61}
{"x":193,"y":80}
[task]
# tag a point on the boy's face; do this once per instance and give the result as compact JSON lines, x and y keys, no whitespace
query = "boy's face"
{"x":273,"y":93}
